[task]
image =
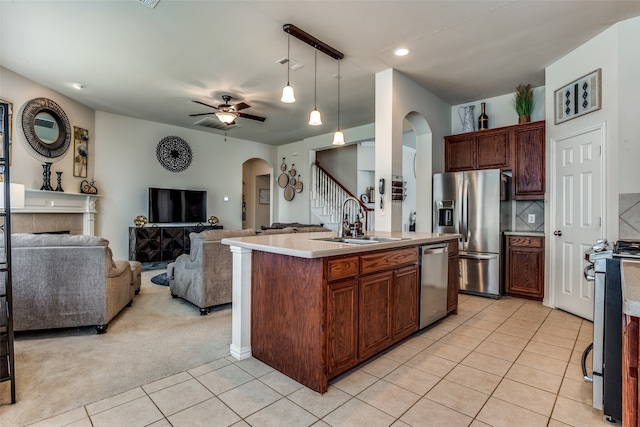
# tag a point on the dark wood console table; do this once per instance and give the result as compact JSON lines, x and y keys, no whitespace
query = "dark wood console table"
{"x":154,"y":244}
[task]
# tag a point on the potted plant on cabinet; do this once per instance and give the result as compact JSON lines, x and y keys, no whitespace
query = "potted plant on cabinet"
{"x":523,"y":102}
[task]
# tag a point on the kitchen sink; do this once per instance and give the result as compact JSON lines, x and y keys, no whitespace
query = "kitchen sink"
{"x":363,"y":240}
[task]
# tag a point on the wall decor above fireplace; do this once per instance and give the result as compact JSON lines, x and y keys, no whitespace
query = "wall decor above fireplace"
{"x":46,"y":129}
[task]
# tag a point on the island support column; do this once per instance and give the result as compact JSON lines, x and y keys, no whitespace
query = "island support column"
{"x":241,"y":307}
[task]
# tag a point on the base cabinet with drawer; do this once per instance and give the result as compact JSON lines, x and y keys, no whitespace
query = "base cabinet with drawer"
{"x":332,"y":313}
{"x":524,"y":266}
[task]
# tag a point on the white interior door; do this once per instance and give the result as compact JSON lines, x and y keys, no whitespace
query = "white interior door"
{"x":577,"y":217}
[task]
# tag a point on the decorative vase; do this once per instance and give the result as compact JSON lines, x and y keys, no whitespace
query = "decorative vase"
{"x":46,"y":177}
{"x":483,"y":120}
{"x":213,"y":220}
{"x":140,"y":220}
{"x":467,"y":121}
{"x":59,"y":187}
{"x":524,"y":119}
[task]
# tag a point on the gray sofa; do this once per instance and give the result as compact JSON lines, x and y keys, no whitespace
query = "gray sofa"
{"x":62,"y":281}
{"x":203,"y":277}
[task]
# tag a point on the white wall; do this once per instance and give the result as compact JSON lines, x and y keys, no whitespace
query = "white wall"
{"x":615,"y":52}
{"x":302,"y":153}
{"x":342,"y":164}
{"x":127,"y":166}
{"x":499,"y":109}
{"x":24,"y":168}
{"x":629,"y":94}
{"x":599,"y":52}
{"x":397,"y":98}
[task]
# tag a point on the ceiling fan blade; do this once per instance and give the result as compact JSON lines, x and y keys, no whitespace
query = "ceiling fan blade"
{"x":206,"y":105}
{"x":241,"y":106}
{"x":201,"y":114}
{"x":252,"y":117}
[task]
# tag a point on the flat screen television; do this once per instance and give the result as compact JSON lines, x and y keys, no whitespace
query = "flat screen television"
{"x":171,"y":205}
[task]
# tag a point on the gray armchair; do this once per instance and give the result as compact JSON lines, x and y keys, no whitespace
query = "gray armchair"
{"x":203,"y":277}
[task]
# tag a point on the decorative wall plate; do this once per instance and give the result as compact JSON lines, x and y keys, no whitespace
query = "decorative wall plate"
{"x":174,"y":153}
{"x":283,"y":180}
{"x":289,"y":192}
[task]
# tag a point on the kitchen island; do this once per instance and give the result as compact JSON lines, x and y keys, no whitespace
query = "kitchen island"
{"x":313,"y":307}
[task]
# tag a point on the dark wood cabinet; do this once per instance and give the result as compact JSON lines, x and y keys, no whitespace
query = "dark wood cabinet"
{"x":630,"y":370}
{"x":520,"y":148}
{"x":374,"y":311}
{"x":478,"y":150}
{"x":528,"y":182}
{"x":154,"y":244}
{"x":493,"y":150}
{"x":370,"y":302}
{"x":342,"y":326}
{"x":524,"y":266}
{"x":453,"y":278}
{"x":405,"y":302}
{"x":460,"y":153}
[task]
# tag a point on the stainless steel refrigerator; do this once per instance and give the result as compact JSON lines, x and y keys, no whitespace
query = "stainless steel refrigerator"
{"x":475,"y":204}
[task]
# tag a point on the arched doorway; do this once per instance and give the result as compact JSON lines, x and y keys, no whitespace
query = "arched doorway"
{"x":256,"y":194}
{"x":418,"y":164}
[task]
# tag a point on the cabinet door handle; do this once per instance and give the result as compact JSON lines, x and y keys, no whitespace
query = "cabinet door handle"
{"x":557,"y":233}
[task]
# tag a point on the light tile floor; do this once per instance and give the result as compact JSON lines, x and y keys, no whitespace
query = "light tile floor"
{"x":507,"y":362}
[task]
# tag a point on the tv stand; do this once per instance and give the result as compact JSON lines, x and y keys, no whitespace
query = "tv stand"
{"x":160,"y":243}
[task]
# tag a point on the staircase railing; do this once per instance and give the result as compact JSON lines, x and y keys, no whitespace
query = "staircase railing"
{"x":329,"y":194}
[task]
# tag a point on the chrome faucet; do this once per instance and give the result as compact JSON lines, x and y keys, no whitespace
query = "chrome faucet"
{"x":345,"y":218}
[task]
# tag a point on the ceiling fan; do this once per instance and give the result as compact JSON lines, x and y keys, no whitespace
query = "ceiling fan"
{"x":228,"y":113}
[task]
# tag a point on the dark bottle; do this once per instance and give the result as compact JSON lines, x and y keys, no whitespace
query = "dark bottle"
{"x":483,"y":120}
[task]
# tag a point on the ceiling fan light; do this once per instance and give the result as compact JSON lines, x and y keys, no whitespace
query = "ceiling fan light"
{"x":314,"y":118}
{"x":338,"y":138}
{"x":287,"y":95}
{"x":226,"y":117}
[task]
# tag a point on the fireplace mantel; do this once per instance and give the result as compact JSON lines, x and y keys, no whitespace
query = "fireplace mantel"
{"x":48,"y":202}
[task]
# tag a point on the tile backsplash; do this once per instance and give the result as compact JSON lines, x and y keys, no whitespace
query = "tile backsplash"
{"x":629,"y":216}
{"x":522,"y":211}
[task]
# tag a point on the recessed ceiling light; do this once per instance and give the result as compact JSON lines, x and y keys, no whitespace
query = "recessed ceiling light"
{"x":78,"y":86}
{"x":401,"y":52}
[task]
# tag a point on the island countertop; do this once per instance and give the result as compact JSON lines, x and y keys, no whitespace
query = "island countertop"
{"x":307,"y":245}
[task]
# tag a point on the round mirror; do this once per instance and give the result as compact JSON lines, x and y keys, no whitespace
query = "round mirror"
{"x":46,"y":129}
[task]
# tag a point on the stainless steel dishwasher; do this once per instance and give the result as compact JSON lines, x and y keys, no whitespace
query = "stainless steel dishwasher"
{"x":434,"y":262}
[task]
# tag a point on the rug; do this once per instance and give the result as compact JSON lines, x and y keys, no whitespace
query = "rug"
{"x":160,"y":279}
{"x":64,"y":369}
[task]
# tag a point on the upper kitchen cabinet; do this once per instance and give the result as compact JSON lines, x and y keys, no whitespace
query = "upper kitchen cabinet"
{"x":529,"y":161}
{"x":477,"y":150}
{"x":520,"y":148}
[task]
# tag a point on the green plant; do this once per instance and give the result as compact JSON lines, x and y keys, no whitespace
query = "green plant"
{"x":524,"y":100}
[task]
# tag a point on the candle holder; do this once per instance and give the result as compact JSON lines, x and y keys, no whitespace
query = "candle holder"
{"x":59,"y":187}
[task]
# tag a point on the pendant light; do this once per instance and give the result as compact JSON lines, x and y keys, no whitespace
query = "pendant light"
{"x":314,"y":118}
{"x":338,"y":137}
{"x":287,"y":91}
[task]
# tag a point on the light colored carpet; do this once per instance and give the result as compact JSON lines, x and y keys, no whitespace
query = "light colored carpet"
{"x":156,"y":337}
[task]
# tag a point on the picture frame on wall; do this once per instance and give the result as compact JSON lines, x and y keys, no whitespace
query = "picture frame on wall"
{"x":80,"y":152}
{"x":580,"y":97}
{"x":264,"y":196}
{"x":10,"y":104}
